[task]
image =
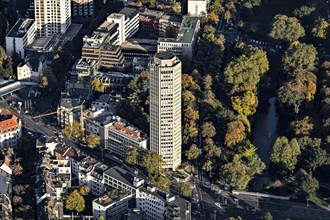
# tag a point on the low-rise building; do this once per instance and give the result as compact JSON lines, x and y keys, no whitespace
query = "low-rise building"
{"x":118,"y":178}
{"x":138,"y":47}
{"x":20,"y":35}
{"x":140,"y":64}
{"x":24,"y":71}
{"x":103,"y":102}
{"x":10,"y":129}
{"x":114,"y":82}
{"x":149,"y":22}
{"x":157,"y":204}
{"x":91,"y":174}
{"x":114,"y":208}
{"x":78,"y":89}
{"x":69,"y":110}
{"x":169,"y":25}
{"x":83,"y":68}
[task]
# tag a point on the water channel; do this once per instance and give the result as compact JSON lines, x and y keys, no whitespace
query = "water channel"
{"x":265,"y":129}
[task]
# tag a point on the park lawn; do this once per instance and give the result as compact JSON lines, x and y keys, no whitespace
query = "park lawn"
{"x":258,"y":22}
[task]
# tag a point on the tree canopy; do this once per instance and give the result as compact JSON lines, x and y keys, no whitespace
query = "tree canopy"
{"x":132,"y":156}
{"x":75,"y":202}
{"x":93,"y":140}
{"x":286,"y":28}
{"x":216,"y":7}
{"x":285,"y":153}
{"x":300,"y":56}
{"x":185,"y":189}
{"x":303,"y":11}
{"x":152,"y":162}
{"x":235,"y":133}
{"x":307,"y":184}
{"x":193,"y":152}
{"x":320,"y":28}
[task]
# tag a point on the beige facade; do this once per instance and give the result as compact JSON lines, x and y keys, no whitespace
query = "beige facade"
{"x":24,"y":72}
{"x":165,"y":108}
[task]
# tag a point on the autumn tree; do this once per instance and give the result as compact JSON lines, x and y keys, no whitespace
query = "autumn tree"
{"x":188,"y":98}
{"x":84,"y":190}
{"x":43,"y":82}
{"x":227,"y":15}
{"x":97,"y":85}
{"x":93,"y":140}
{"x":185,"y":189}
{"x":75,"y":202}
{"x":300,"y":56}
{"x":235,"y":133}
{"x":207,"y":166}
{"x":320,"y":28}
{"x":245,"y":103}
{"x":190,"y":114}
{"x":302,"y":127}
{"x":208,"y":130}
{"x":209,"y":33}
{"x":73,"y":129}
{"x":251,"y":3}
{"x":212,"y":150}
{"x":284,"y":153}
{"x":286,"y":28}
{"x":132,"y":155}
{"x":193,"y":152}
{"x":176,"y":7}
{"x":212,"y":17}
{"x":216,"y":7}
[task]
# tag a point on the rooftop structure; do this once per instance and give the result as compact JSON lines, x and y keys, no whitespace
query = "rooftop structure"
{"x":10,"y":129}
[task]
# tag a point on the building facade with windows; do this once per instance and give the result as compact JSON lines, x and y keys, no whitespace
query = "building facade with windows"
{"x":10,"y":129}
{"x":82,"y":8}
{"x":165,"y":108}
{"x":20,"y":35}
{"x":52,"y":16}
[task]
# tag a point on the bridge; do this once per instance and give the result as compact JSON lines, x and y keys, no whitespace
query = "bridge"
{"x":10,"y":86}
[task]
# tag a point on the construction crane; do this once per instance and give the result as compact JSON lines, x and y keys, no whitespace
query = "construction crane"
{"x":75,"y":107}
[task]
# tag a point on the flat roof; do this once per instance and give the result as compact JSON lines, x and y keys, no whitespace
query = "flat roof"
{"x":20,"y":27}
{"x":129,"y":12}
{"x":121,"y":175}
{"x":186,"y":31}
{"x":140,"y":44}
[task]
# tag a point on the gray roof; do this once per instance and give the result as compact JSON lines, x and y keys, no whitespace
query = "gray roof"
{"x":121,"y":175}
{"x":69,"y":103}
{"x":20,"y":28}
{"x":129,"y":12}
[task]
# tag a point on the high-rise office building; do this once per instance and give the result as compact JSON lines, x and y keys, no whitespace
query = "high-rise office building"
{"x":165,"y":108}
{"x":52,"y":16}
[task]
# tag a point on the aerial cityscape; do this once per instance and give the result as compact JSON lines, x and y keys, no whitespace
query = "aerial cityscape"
{"x":164,"y":109}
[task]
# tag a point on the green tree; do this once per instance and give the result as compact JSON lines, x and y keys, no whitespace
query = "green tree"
{"x":286,"y":28}
{"x":188,"y":98}
{"x":303,"y":11}
{"x":243,"y":74}
{"x":73,"y":130}
{"x":84,"y":190}
{"x":251,"y":3}
{"x":212,"y":150}
{"x":245,"y":103}
{"x":300,"y":56}
{"x":216,"y":7}
{"x":132,"y":155}
{"x":307,"y":184}
{"x":101,"y":218}
{"x":267,"y":216}
{"x":285,"y":153}
{"x":6,"y":65}
{"x":185,"y":189}
{"x":152,"y":162}
{"x":193,"y":152}
{"x":235,"y":173}
{"x":160,"y":181}
{"x":207,"y":166}
{"x":209,"y":33}
{"x":208,"y":130}
{"x":320,"y":28}
{"x":313,"y":157}
{"x":190,"y":114}
{"x":176,"y":7}
{"x":93,"y":140}
{"x":97,"y":85}
{"x":235,"y":133}
{"x":75,"y":202}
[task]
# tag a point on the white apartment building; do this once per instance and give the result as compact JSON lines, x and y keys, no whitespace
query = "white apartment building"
{"x":197,"y":7}
{"x":110,"y":208}
{"x":20,"y":35}
{"x":52,"y":16}
{"x":165,"y":108}
{"x":118,"y":178}
{"x":10,"y":129}
{"x":184,"y":44}
{"x":128,"y":23}
{"x":91,"y":174}
{"x":119,"y":136}
{"x":24,"y":71}
{"x":69,"y":110}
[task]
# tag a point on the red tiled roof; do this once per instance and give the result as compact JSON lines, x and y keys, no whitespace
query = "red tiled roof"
{"x":8,"y":123}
